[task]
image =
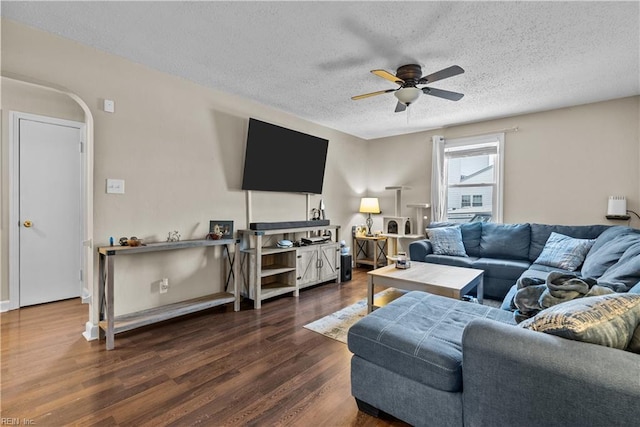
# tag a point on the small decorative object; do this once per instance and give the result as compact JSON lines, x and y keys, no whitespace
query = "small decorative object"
{"x":221,"y":229}
{"x":344,"y":249}
{"x":174,"y":236}
{"x":134,"y":241}
{"x":130,"y":241}
{"x":402,"y":262}
{"x":315,"y":214}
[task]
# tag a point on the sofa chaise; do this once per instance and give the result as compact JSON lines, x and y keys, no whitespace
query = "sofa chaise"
{"x":436,"y":361}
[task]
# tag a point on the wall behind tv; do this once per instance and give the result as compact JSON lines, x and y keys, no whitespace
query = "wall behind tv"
{"x":178,"y":146}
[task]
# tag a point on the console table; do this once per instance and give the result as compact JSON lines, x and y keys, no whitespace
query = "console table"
{"x":111,"y":325}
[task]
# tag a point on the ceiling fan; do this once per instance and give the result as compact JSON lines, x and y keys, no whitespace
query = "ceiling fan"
{"x":409,"y":77}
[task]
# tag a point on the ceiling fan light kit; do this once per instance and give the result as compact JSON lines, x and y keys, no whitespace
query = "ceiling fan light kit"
{"x":408,"y":95}
{"x":408,"y":77}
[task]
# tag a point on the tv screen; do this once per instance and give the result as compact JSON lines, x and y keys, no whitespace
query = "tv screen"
{"x":279,"y":159}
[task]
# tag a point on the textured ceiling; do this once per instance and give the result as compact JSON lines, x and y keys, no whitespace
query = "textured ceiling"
{"x":309,"y":58}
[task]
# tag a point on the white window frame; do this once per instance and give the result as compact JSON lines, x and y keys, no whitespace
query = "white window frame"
{"x":498,"y":185}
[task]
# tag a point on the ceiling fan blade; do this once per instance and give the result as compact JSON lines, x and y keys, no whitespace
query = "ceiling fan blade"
{"x":452,"y":96}
{"x":367,"y":95}
{"x":387,"y":75}
{"x":400,"y":107}
{"x":454,"y":70}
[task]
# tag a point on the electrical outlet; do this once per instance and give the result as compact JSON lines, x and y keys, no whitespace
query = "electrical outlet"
{"x":164,"y":285}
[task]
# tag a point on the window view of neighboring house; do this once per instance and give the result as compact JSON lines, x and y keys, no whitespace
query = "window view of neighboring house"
{"x":473,"y":179}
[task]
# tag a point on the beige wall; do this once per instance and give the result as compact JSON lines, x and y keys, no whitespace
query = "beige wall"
{"x":560,"y":167}
{"x":178,"y":146}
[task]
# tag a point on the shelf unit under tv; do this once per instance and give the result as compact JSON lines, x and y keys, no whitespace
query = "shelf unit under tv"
{"x":268,"y":271}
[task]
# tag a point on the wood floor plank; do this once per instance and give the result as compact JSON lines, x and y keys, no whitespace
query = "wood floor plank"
{"x":213,"y":368}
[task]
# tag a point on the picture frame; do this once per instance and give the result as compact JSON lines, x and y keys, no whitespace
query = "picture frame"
{"x":220,"y":229}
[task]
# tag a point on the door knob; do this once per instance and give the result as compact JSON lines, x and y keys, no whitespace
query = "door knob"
{"x":27,"y":224}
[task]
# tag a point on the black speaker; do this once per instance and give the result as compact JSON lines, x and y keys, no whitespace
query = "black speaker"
{"x":345,"y":268}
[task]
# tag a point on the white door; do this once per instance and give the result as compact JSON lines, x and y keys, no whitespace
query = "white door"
{"x":50,"y":210}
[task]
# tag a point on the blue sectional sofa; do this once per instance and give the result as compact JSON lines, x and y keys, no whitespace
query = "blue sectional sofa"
{"x":507,"y":252}
{"x":436,"y":361}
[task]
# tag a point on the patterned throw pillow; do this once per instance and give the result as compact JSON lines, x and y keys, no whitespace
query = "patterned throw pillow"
{"x":564,"y":252}
{"x":608,"y":320}
{"x":446,"y":241}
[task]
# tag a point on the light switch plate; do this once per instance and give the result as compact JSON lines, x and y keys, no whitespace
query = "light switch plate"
{"x":109,"y":106}
{"x":115,"y":186}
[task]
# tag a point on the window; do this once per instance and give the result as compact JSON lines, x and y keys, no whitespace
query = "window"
{"x":469,"y":178}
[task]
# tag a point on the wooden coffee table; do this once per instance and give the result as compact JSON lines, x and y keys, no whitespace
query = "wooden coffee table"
{"x":445,"y":280}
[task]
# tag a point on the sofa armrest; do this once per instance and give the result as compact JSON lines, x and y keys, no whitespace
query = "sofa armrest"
{"x":514,"y":376}
{"x":419,"y":249}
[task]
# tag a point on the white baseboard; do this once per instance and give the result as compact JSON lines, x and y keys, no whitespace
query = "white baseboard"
{"x":91,"y":331}
{"x":5,"y":306}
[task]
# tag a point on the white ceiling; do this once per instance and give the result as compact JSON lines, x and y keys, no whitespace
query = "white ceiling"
{"x":309,"y":58}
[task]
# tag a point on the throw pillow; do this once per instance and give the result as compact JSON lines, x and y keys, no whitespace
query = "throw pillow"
{"x":608,"y":320}
{"x":564,"y":252}
{"x":604,"y":255}
{"x":446,"y":241}
{"x":624,"y":274}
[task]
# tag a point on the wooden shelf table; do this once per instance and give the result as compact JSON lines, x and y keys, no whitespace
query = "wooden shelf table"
{"x":111,"y":325}
{"x":379,"y":257}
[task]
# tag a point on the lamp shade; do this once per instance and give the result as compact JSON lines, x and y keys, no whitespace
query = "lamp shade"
{"x":408,"y":95}
{"x":369,"y":205}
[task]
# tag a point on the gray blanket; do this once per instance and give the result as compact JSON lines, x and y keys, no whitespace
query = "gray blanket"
{"x":534,"y":294}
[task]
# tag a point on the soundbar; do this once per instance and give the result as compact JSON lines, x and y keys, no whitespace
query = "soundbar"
{"x":288,"y":224}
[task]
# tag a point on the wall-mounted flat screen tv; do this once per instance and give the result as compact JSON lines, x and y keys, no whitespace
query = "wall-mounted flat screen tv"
{"x":280,"y":159}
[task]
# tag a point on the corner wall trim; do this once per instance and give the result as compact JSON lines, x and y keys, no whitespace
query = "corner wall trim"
{"x":5,"y":306}
{"x":90,"y":331}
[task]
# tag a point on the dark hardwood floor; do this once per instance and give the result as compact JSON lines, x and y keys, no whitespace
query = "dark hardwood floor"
{"x":218,"y":367}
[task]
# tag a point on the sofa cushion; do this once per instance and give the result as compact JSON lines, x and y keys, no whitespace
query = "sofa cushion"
{"x":611,"y":233}
{"x":419,"y":335}
{"x":608,"y":320}
{"x":446,"y":241}
{"x":547,"y":268}
{"x":564,"y":252}
{"x":540,"y":234}
{"x":608,"y":252}
{"x":624,"y":274}
{"x":471,"y":232}
{"x":455,"y":261}
{"x":502,"y":268}
{"x":510,"y":241}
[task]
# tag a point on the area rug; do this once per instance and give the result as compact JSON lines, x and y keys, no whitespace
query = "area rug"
{"x":336,"y":325}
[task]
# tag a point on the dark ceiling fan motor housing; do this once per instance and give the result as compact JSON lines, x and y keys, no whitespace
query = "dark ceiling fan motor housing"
{"x":411,"y":74}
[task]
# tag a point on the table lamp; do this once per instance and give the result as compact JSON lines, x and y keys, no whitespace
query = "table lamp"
{"x":369,"y":205}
